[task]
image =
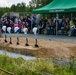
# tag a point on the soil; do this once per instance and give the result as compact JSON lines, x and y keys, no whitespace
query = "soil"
{"x":46,"y":49}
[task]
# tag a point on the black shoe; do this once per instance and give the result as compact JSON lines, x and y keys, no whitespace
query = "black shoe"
{"x":26,"y":44}
{"x":36,"y":45}
{"x":17,"y":43}
{"x":5,"y":41}
{"x":10,"y":42}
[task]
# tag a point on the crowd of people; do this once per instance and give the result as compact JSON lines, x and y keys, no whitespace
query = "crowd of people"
{"x":54,"y":26}
{"x":14,"y":21}
{"x":51,"y":26}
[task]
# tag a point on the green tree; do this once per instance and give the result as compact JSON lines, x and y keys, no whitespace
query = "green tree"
{"x":23,"y":6}
{"x":45,"y":2}
{"x":38,"y":3}
{"x":20,"y":7}
{"x":13,"y":7}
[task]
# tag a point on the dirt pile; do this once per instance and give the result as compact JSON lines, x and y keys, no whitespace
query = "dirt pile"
{"x":48,"y":49}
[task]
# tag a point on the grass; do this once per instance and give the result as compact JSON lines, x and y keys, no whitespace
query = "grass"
{"x":19,"y":66}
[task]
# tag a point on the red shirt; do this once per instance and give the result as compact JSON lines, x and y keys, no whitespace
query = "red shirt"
{"x":19,"y":25}
{"x":11,"y":25}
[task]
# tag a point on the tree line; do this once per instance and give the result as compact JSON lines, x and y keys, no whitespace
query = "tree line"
{"x":22,"y":7}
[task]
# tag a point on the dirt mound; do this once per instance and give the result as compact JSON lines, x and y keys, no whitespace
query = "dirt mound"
{"x":49,"y":49}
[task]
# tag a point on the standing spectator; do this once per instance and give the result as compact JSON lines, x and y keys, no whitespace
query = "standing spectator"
{"x":16,"y":19}
{"x":41,"y":28}
{"x":71,"y":31}
{"x":12,"y":26}
{"x":19,"y":26}
{"x":29,"y":23}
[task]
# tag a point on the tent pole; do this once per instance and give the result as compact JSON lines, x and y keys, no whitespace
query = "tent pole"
{"x":71,"y":16}
{"x":56,"y":23}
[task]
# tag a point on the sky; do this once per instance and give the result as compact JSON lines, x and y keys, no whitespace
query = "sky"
{"x":8,"y":3}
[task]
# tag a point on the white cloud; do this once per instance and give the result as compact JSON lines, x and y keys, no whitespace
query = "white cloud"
{"x":4,"y":3}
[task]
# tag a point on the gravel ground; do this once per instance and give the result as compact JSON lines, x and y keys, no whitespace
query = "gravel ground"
{"x":59,"y":38}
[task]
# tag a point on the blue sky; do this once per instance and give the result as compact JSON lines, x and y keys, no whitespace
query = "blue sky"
{"x":4,"y":3}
